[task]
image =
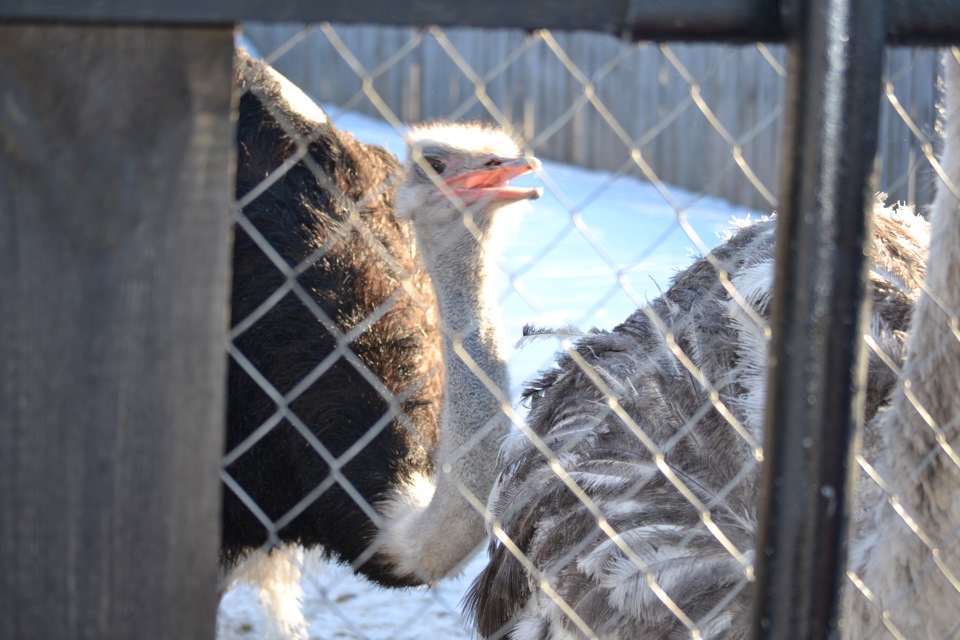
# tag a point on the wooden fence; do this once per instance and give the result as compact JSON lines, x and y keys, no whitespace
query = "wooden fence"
{"x":648,"y":90}
{"x":115,"y":199}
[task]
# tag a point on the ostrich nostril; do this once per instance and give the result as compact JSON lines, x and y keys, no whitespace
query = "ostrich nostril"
{"x":493,"y":163}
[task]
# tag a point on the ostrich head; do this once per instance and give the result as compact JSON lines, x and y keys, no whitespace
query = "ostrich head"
{"x":456,"y":182}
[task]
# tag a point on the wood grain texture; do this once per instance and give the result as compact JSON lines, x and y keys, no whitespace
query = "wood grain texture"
{"x":115,"y":195}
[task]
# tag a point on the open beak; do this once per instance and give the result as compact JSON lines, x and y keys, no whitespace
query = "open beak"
{"x":489,"y":183}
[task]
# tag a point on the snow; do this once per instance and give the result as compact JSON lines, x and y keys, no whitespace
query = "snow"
{"x":588,"y":253}
{"x":339,"y":605}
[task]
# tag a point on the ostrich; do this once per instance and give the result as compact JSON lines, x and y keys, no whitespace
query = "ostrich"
{"x":357,"y":387}
{"x":598,"y":513}
{"x":906,"y":564}
{"x":454,"y":192}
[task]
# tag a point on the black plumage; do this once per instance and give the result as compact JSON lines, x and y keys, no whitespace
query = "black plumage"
{"x":331,"y":217}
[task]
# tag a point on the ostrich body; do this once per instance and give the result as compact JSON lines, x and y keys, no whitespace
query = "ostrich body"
{"x":630,"y":502}
{"x":705,"y":433}
{"x":306,"y":219}
{"x":354,"y":362}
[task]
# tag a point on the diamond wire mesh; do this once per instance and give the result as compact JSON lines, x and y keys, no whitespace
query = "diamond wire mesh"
{"x":908,"y":488}
{"x":343,"y":340}
{"x":380,"y":71}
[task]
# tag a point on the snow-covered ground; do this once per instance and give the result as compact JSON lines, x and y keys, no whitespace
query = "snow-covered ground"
{"x":588,"y":253}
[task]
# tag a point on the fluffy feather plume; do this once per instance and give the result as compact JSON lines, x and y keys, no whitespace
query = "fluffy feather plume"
{"x":642,"y":520}
{"x":532,"y":334}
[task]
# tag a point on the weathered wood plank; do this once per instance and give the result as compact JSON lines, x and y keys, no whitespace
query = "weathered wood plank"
{"x":115,"y":192}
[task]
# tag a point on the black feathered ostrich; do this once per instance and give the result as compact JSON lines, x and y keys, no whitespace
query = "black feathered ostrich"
{"x":630,"y":504}
{"x":399,"y":381}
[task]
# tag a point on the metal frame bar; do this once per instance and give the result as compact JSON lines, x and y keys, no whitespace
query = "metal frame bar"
{"x":816,"y":383}
{"x":916,"y":23}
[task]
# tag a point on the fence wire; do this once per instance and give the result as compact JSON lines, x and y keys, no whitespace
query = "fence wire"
{"x":601,"y":544}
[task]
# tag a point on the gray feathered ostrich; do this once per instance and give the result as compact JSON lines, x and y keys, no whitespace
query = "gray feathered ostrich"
{"x":357,"y":396}
{"x":628,"y":510}
{"x":905,"y":558}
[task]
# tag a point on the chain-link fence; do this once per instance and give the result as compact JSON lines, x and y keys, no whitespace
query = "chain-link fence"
{"x":707,"y":116}
{"x":641,"y":458}
{"x":588,"y":375}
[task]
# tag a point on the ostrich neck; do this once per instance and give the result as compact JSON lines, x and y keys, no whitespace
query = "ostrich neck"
{"x":471,"y":344}
{"x":462,"y":285}
{"x":431,"y":540}
{"x":943,"y":270}
{"x":930,"y":372}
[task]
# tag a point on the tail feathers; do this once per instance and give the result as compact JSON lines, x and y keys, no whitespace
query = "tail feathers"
{"x":276,"y":577}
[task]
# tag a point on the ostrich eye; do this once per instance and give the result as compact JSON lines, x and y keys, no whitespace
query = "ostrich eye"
{"x":436,"y":164}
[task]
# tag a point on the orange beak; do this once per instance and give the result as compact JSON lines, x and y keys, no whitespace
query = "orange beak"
{"x":490,"y":182}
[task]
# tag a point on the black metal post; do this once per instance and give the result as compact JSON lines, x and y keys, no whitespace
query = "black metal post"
{"x":816,"y":377}
{"x":910,"y":22}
